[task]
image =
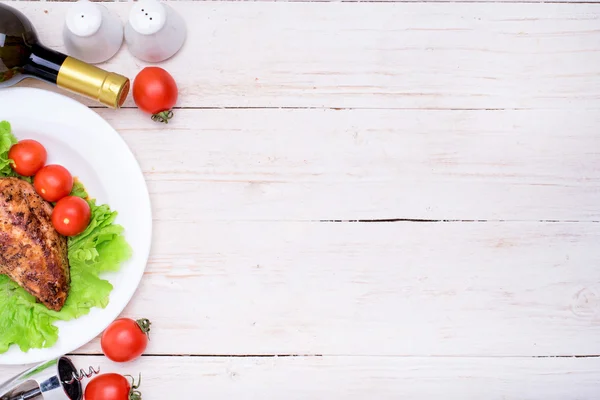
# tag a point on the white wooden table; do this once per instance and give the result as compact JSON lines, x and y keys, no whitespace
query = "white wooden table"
{"x":388,"y":200}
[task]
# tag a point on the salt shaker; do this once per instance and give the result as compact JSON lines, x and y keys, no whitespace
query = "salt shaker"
{"x":91,"y":32}
{"x":154,"y":31}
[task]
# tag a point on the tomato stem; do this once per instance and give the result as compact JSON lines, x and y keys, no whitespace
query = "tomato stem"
{"x":163,"y":116}
{"x":144,"y":324}
{"x":135,"y":394}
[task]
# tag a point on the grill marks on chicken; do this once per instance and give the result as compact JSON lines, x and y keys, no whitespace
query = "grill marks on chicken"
{"x":32,"y":253}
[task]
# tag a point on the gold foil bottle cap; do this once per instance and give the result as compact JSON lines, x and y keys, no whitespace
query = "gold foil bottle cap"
{"x":108,"y":88}
{"x":114,"y":90}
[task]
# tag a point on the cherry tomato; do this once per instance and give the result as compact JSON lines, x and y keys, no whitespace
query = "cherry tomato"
{"x":71,"y":215}
{"x":53,"y":182}
{"x":125,"y":339}
{"x":155,"y":92}
{"x":112,"y":386}
{"x":28,"y":157}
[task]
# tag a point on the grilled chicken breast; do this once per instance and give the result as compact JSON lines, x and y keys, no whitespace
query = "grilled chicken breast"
{"x":32,"y":253}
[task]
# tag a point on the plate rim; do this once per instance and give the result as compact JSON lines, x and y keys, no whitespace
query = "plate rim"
{"x":47,"y":353}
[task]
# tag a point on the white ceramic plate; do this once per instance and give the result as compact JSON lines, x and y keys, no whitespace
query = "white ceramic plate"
{"x":93,"y":151}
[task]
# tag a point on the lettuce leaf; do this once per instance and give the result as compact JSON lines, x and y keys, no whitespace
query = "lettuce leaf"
{"x":7,"y":139}
{"x":79,"y":190}
{"x":101,"y":247}
{"x":23,"y":321}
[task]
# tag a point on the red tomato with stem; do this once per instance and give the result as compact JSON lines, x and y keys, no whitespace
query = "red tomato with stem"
{"x":53,"y":182}
{"x":71,"y":215}
{"x":113,"y":386}
{"x":125,"y":339}
{"x":28,"y":157}
{"x":155,"y":92}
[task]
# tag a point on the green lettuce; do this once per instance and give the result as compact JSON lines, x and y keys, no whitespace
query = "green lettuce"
{"x":100,"y":248}
{"x":7,"y":139}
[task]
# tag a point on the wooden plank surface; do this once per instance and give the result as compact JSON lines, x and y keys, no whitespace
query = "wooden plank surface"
{"x":374,"y":55}
{"x":368,"y":164}
{"x":367,"y":1}
{"x":358,"y":378}
{"x":482,"y":114}
{"x":418,"y":289}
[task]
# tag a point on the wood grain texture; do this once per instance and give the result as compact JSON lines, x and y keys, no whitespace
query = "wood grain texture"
{"x":367,"y":1}
{"x":419,"y":289}
{"x":247,"y":258}
{"x":374,"y":55}
{"x":359,"y":378}
{"x":368,"y":164}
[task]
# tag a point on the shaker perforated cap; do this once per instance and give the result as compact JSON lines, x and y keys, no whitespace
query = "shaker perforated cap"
{"x":147,"y":16}
{"x":84,"y":18}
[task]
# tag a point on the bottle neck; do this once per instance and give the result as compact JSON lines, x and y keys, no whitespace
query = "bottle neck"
{"x":22,"y":55}
{"x":76,"y":76}
{"x":44,"y":63}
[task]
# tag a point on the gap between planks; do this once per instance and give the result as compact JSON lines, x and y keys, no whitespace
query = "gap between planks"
{"x":441,"y":109}
{"x":343,"y":356}
{"x":391,"y":220}
{"x":448,"y":220}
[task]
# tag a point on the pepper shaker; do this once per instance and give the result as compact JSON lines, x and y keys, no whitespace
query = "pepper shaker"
{"x":154,"y":31}
{"x":91,"y":32}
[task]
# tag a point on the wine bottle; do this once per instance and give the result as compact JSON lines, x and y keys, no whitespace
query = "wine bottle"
{"x":23,"y":56}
